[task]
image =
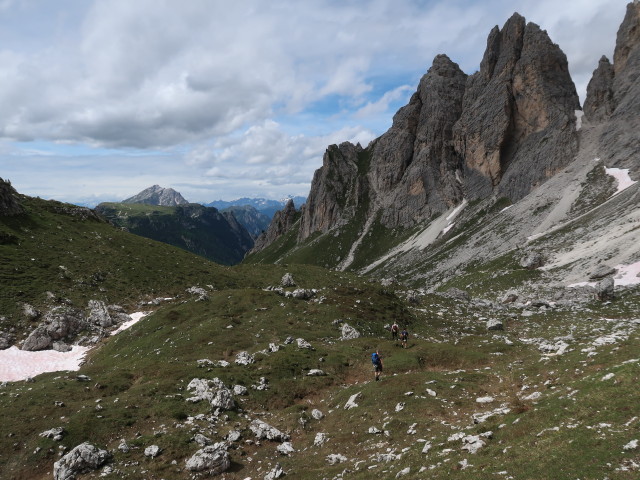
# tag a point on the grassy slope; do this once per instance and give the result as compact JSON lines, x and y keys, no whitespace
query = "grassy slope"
{"x":140,"y":378}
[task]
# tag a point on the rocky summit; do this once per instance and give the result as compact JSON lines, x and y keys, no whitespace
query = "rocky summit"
{"x":156,"y":195}
{"x":493,"y":224}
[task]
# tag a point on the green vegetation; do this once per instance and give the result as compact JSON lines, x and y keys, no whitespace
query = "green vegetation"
{"x":197,"y":229}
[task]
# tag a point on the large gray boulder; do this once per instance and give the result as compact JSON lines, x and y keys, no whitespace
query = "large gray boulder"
{"x":212,"y":459}
{"x":348,"y":332}
{"x":602,"y":271}
{"x":605,"y":289}
{"x":61,"y":323}
{"x":213,"y":391}
{"x":6,"y":340}
{"x":99,"y":314}
{"x":263,"y":430}
{"x":81,"y":459}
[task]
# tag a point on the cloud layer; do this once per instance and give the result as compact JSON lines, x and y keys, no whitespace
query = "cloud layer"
{"x":243,"y":95}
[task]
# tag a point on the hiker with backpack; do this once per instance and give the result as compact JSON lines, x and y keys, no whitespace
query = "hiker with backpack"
{"x":394,"y":331}
{"x":376,"y":360}
{"x":404,"y":336}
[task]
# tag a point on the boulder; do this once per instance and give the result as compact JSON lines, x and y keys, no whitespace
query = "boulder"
{"x":30,"y":312}
{"x":239,"y":390}
{"x":532,"y":260}
{"x":99,"y":314}
{"x":287,"y":280}
{"x":605,"y":289}
{"x":285,"y":448}
{"x":61,"y":323}
{"x":495,"y":324}
{"x":472,"y":443}
{"x":509,"y":297}
{"x":214,"y":391}
{"x":301,"y":294}
{"x":152,"y":451}
{"x":302,"y":343}
{"x":263,"y":430}
{"x":6,"y":340}
{"x":317,"y":414}
{"x":275,"y":473}
{"x":348,"y":332}
{"x":81,"y":459}
{"x":200,"y":292}
{"x":601,"y":272}
{"x":244,"y":358}
{"x":458,"y":294}
{"x":55,"y":433}
{"x":212,"y":459}
{"x":319,"y":439}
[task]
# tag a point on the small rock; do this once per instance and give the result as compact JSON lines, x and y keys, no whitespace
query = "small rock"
{"x":317,"y":414}
{"x":275,"y":473}
{"x":263,"y":430}
{"x":55,"y":433}
{"x":605,"y":289}
{"x":494,"y":324}
{"x":152,"y":451}
{"x":399,"y":406}
{"x":234,"y":436}
{"x":202,"y":440}
{"x":124,"y":446}
{"x":244,"y":358}
{"x":316,"y":372}
{"x":485,"y":399}
{"x":472,"y":443}
{"x":285,"y":448}
{"x":403,"y":472}
{"x":632,"y":445}
{"x":240,"y":390}
{"x":532,"y":260}
{"x":319,"y":439}
{"x":351,"y":403}
{"x":335,"y":458}
{"x":302,"y":343}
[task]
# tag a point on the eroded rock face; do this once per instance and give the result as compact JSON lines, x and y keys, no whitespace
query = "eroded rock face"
{"x":281,"y":223}
{"x":335,"y":190}
{"x":518,"y":123}
{"x":59,"y":324}
{"x":83,"y":458}
{"x":9,"y":203}
{"x":599,"y":104}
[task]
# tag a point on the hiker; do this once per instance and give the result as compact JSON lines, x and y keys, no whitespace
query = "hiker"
{"x":376,"y":359}
{"x":394,"y":331}
{"x":404,"y":336}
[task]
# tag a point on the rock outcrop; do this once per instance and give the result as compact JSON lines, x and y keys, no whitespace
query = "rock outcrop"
{"x":9,"y":203}
{"x":83,"y":458}
{"x":281,"y":223}
{"x":61,"y":323}
{"x":502,"y":131}
{"x":613,"y":96}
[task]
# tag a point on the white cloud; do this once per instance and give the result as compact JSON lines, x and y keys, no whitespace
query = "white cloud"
{"x":211,"y":83}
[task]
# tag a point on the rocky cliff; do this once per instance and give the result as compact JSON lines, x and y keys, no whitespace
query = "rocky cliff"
{"x":282,"y":222}
{"x":156,"y":195}
{"x":9,"y":203}
{"x":613,"y":96}
{"x":500,"y":132}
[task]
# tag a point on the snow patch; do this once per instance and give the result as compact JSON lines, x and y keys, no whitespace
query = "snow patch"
{"x":622,"y":177}
{"x":16,"y":364}
{"x":626,"y":275}
{"x":135,"y":318}
{"x":579,"y":115}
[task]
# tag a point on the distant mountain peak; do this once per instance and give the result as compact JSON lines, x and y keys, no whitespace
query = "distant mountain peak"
{"x":156,"y":195}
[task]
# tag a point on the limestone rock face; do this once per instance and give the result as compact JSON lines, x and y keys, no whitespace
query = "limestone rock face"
{"x":415,"y":170}
{"x":58,"y":324}
{"x":281,"y":223}
{"x":9,"y":203}
{"x":518,"y":123}
{"x":83,"y":458}
{"x":599,"y":103}
{"x":335,"y":190}
{"x":620,"y":141}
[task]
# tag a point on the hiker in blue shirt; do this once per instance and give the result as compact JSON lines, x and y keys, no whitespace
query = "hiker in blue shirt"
{"x":376,"y":359}
{"x":404,"y":336}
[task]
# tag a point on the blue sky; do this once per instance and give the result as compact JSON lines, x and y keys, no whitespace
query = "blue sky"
{"x":221,"y":100}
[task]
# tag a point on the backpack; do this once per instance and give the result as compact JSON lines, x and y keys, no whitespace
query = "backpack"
{"x":375,"y":358}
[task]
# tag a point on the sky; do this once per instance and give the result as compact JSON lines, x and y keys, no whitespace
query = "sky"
{"x":224,"y":99}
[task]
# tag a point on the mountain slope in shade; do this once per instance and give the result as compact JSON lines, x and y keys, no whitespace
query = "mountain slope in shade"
{"x":200,"y":230}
